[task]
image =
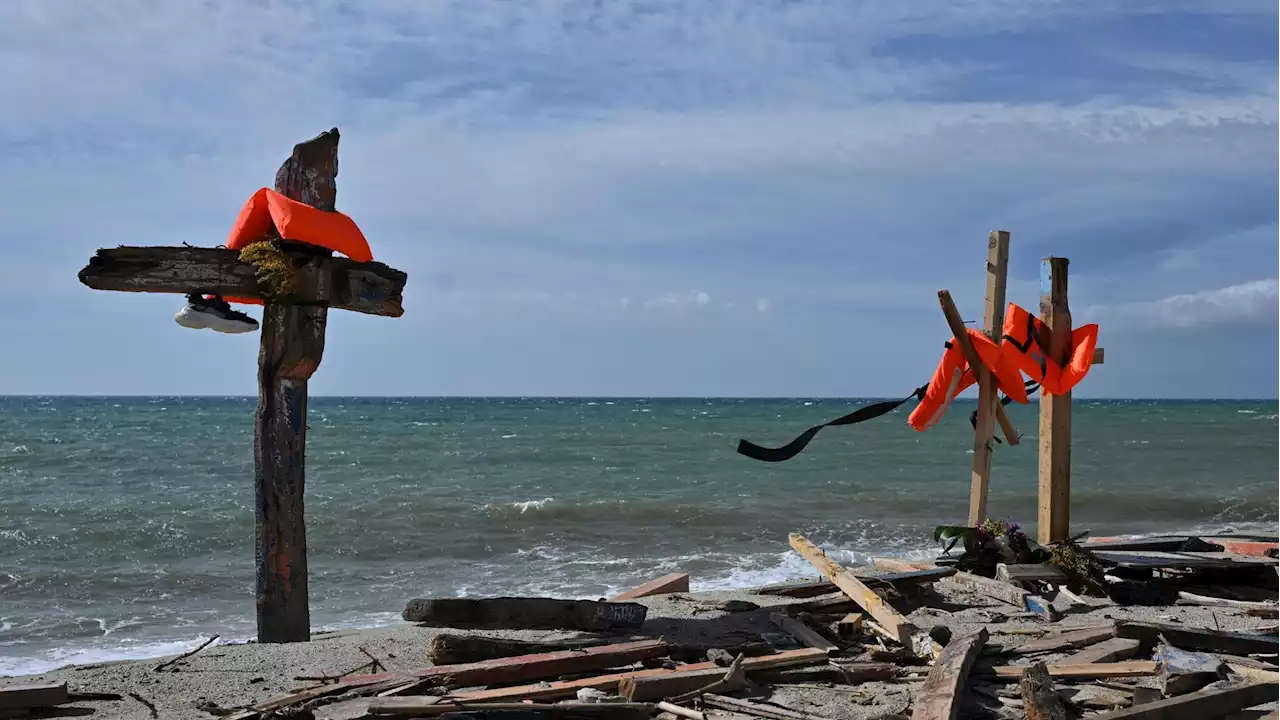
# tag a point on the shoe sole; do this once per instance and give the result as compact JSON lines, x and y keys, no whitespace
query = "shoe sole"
{"x":201,"y":321}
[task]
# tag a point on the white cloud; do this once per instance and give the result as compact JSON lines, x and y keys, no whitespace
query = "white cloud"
{"x":1251,"y":302}
{"x":763,"y":305}
{"x":679,"y":301}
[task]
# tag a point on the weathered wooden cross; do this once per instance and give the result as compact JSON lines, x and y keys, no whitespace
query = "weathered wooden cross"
{"x":1055,"y":410}
{"x":293,"y":330}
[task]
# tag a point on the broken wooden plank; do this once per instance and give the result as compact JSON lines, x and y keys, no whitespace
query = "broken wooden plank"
{"x":527,"y":668}
{"x":1191,"y":638}
{"x":814,"y":588}
{"x":1039,"y":699}
{"x":665,"y":585}
{"x":942,"y":694}
{"x":1066,"y":639}
{"x":1201,"y":705}
{"x":1084,"y":671}
{"x":755,"y":709}
{"x":371,"y":288}
{"x":37,"y":695}
{"x":1167,"y":543}
{"x":449,"y":649}
{"x":1186,"y":598}
{"x":1160,"y":560}
{"x":695,"y":677}
{"x":1006,"y":592}
{"x":420,"y":707}
{"x":609,"y":683}
{"x":1104,"y":652}
{"x":803,"y":634}
{"x":524,"y":613}
{"x":891,"y":619}
{"x":1253,"y":546}
{"x":897,"y":565}
{"x":1030,"y":573}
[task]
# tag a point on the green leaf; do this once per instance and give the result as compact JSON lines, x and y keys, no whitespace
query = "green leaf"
{"x":956,"y":533}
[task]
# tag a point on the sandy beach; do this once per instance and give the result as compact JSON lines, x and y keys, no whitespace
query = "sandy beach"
{"x":224,"y":676}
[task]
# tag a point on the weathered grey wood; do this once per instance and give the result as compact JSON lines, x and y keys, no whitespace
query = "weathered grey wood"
{"x":1029,"y":573}
{"x":522,"y":613}
{"x":661,"y":685}
{"x":802,"y":633}
{"x":988,"y":391}
{"x":814,"y":588}
{"x":433,"y":707}
{"x":447,"y":649}
{"x":755,"y":709}
{"x":1191,"y":638}
{"x":1039,"y":699}
{"x":291,"y":348}
{"x":1067,"y":639}
{"x":1055,"y":410}
{"x":942,"y":694}
{"x":371,"y":288}
{"x":1007,"y":592}
{"x":1152,"y":560}
{"x":21,"y":697}
{"x":1107,"y":651}
{"x":1202,"y":705}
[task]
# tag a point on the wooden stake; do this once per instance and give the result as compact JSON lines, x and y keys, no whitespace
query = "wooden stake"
{"x":988,"y":392}
{"x":956,"y":323}
{"x":292,"y":345}
{"x":1055,"y":410}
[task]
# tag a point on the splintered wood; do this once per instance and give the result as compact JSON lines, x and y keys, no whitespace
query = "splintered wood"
{"x":890,"y":619}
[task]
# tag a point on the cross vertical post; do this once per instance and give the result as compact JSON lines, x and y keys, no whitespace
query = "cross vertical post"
{"x":1055,"y":410}
{"x":988,"y":392}
{"x":291,"y":348}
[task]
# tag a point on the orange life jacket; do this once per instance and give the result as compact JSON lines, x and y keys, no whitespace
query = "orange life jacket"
{"x":1022,"y":347}
{"x":954,"y":376}
{"x":298,"y":222}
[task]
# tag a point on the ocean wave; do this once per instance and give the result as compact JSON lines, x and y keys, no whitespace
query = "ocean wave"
{"x":60,"y":657}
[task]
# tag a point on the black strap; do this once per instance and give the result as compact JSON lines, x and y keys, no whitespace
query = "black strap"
{"x":793,"y":448}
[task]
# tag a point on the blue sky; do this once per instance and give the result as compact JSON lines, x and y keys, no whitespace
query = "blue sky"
{"x":713,"y":197}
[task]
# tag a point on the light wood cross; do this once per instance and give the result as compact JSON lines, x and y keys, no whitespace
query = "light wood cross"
{"x":293,"y":330}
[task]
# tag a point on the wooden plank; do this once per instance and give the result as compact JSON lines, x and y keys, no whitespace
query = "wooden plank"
{"x":424,"y":707}
{"x":853,"y":587}
{"x":1084,"y":671}
{"x":814,"y":588}
{"x":1104,"y":652}
{"x":896,"y":565}
{"x":1201,"y":705}
{"x":803,"y":634}
{"x":1055,"y":410}
{"x":755,"y":709}
{"x":1168,"y":543}
{"x":608,"y":683}
{"x":1039,"y":698}
{"x":527,"y":668}
{"x":694,"y":677}
{"x":1186,"y":598}
{"x":961,"y":337}
{"x":525,"y":613}
{"x":39,"y":695}
{"x":665,"y":585}
{"x":371,"y":288}
{"x":942,"y":694}
{"x":1154,"y":559}
{"x":1030,"y":573}
{"x":1253,"y":547}
{"x":448,"y":649}
{"x":1065,"y":640}
{"x":1005,"y":592}
{"x":292,"y":345}
{"x":1191,"y":638}
{"x":988,"y":391}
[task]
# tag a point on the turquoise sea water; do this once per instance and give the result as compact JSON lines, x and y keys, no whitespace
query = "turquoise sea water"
{"x":126,"y":524}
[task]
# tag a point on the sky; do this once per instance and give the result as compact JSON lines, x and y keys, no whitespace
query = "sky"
{"x":659,"y":198}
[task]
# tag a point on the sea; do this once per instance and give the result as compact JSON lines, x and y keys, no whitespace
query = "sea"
{"x":127,"y":524}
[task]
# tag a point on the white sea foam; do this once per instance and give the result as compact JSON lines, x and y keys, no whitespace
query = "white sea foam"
{"x":528,"y":505}
{"x":59,"y":657}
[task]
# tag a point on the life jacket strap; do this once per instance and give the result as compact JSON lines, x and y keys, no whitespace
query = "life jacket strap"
{"x":793,"y":448}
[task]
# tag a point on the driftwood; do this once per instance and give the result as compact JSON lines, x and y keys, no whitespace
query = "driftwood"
{"x":1067,"y":639}
{"x":682,"y":685}
{"x":1191,"y":638}
{"x":942,"y":695}
{"x":185,"y":655}
{"x":1084,"y":671}
{"x":371,"y":288}
{"x":525,"y":613}
{"x":813,"y":588}
{"x":802,"y":633}
{"x":526,"y":668}
{"x":1006,"y":592}
{"x":891,"y":619}
{"x":665,"y":585}
{"x":681,"y":711}
{"x":1106,"y":651}
{"x":735,"y":678}
{"x":448,"y":649}
{"x":1186,"y":598}
{"x":1039,"y":699}
{"x":670,"y":683}
{"x":433,"y":707}
{"x":754,"y":709}
{"x":23,"y":697}
{"x":1202,"y":705}
{"x":553,"y":690}
{"x":1030,"y":573}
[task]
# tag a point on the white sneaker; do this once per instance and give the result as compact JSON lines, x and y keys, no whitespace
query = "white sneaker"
{"x":213,"y":313}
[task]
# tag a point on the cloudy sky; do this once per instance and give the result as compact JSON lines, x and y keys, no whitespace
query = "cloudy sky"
{"x":711,"y":197}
